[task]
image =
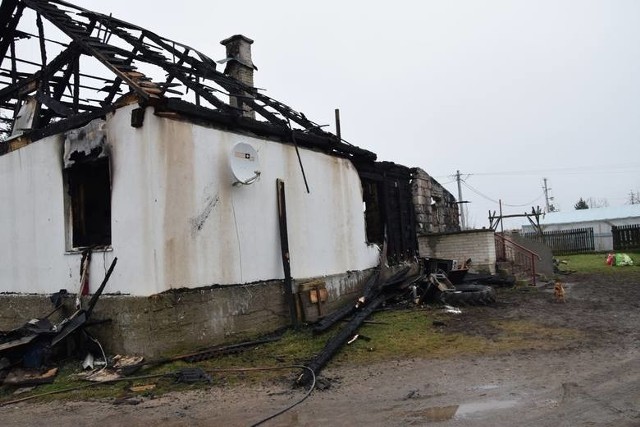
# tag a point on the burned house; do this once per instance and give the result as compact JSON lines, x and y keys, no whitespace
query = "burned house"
{"x":220,"y":202}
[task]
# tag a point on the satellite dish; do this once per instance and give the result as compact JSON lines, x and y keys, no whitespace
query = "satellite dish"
{"x":244,"y":163}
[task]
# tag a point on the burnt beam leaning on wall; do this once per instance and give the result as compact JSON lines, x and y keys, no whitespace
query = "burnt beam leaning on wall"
{"x":379,"y":291}
{"x":284,"y":248}
{"x":10,"y":14}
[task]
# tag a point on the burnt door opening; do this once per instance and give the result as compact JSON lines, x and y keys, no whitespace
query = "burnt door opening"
{"x":373,"y":212}
{"x":89,"y":187}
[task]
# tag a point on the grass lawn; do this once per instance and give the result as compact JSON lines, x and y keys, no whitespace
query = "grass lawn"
{"x":392,"y":335}
{"x":388,"y":335}
{"x":595,"y":263}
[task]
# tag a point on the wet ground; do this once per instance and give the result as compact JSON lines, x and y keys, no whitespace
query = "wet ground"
{"x":591,"y":379}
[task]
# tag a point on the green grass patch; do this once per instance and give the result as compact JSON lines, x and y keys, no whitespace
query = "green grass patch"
{"x":522,"y":334}
{"x":596,"y":263}
{"x":392,"y":335}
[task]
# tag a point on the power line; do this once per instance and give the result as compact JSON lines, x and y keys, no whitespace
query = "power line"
{"x":479,"y":193}
{"x":503,"y":203}
{"x":448,"y":182}
{"x":567,"y":171}
{"x":579,"y":170}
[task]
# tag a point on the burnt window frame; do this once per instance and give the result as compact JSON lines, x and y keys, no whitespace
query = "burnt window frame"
{"x":88,"y":204}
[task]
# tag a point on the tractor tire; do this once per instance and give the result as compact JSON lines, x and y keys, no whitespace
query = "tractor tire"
{"x":465,"y":295}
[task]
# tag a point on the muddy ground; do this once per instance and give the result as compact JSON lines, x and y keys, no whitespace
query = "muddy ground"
{"x":589,"y":378}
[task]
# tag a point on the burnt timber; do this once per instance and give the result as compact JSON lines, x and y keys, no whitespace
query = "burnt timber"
{"x":104,"y":62}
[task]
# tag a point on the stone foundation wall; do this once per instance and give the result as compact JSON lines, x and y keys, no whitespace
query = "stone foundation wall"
{"x":184,"y":320}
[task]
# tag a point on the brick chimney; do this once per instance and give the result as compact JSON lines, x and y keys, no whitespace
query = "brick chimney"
{"x":240,"y":67}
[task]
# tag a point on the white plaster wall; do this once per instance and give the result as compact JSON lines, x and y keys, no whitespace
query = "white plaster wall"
{"x":32,"y":239}
{"x":165,"y":176}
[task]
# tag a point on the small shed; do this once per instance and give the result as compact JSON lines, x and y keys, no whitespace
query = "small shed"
{"x":599,"y":220}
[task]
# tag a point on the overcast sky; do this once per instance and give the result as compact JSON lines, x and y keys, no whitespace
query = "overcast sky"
{"x":507,"y":92}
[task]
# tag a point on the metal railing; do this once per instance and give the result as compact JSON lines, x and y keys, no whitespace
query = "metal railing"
{"x":519,"y":257}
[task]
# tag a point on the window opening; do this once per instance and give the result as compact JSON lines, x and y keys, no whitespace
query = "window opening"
{"x":89,"y":190}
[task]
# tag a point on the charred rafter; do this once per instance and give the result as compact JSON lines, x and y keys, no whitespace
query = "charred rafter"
{"x":125,"y":57}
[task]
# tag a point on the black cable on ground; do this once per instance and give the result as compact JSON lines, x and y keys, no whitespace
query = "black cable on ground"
{"x":270,"y":368}
{"x":282,"y":411}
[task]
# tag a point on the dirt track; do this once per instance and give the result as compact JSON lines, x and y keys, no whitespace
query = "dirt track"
{"x":591,"y":379}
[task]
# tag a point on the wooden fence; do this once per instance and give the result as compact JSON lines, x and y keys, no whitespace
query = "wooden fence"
{"x":564,"y":242}
{"x":626,"y":237}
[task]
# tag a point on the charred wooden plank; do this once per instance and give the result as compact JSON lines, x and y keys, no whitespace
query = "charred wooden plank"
{"x":339,"y":340}
{"x":386,"y":289}
{"x":333,"y":318}
{"x":284,"y":247}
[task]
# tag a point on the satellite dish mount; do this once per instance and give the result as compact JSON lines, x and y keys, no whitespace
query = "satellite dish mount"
{"x":244,"y":164}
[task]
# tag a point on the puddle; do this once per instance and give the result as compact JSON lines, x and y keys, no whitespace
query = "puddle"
{"x":484,"y":387}
{"x":467,"y":409}
{"x":436,"y":413}
{"x":445,"y":413}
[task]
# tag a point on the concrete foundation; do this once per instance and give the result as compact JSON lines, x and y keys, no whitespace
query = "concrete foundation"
{"x":187,"y":319}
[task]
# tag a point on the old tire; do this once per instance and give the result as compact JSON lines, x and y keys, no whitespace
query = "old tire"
{"x":465,"y":295}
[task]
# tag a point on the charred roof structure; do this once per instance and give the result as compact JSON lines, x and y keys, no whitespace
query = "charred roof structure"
{"x":63,"y":66}
{"x":82,"y":64}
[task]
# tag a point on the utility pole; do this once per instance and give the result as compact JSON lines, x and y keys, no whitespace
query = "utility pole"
{"x":460,"y":204}
{"x":546,"y":195}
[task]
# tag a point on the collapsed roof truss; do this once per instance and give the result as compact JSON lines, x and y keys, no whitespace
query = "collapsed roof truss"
{"x":81,"y":62}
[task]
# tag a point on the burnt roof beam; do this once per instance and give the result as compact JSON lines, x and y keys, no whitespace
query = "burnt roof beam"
{"x":41,"y":38}
{"x":10,"y":13}
{"x":194,"y":70}
{"x":303,"y":139}
{"x":171,"y":77}
{"x":199,"y":89}
{"x":14,"y":65}
{"x":89,"y":44}
{"x":286,"y":112}
{"x":208,"y":67}
{"x":177,"y":70}
{"x":59,"y":88}
{"x":56,"y":64}
{"x":118,"y":81}
{"x":151,"y":57}
{"x":54,"y":105}
{"x":208,"y":71}
{"x":72,"y":122}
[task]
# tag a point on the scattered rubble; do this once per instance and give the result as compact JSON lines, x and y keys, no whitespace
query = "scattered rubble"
{"x":27,"y":353}
{"x":31,"y":345}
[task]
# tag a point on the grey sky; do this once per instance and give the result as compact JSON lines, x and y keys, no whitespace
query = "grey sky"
{"x":506,"y":91}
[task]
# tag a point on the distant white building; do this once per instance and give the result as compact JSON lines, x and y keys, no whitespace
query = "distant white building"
{"x":599,"y":219}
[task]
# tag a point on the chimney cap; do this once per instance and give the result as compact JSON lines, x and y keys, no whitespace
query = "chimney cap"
{"x":234,"y":38}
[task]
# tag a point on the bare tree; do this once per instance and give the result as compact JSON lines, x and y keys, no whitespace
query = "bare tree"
{"x":597,"y":203}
